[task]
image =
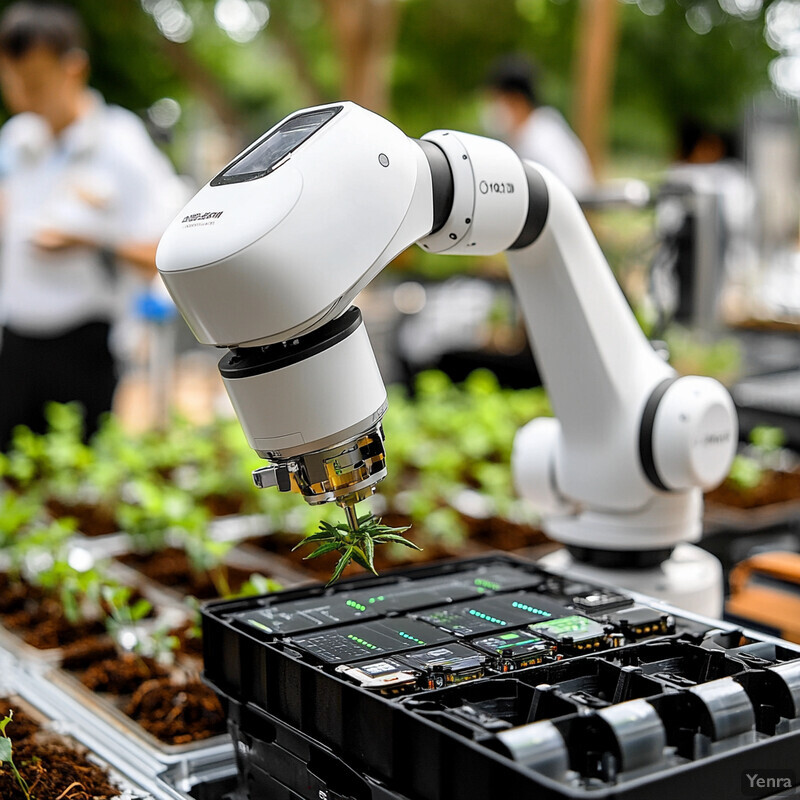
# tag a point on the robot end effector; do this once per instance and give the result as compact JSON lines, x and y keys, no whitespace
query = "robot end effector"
{"x":340,"y":192}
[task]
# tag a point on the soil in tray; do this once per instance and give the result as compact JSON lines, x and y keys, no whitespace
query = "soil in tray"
{"x":52,"y":769}
{"x":775,"y":487}
{"x":223,"y":505}
{"x":501,"y":534}
{"x":38,"y":619}
{"x":165,"y":702}
{"x":93,"y":520}
{"x":122,"y":675}
{"x":87,"y":651}
{"x":177,"y":713}
{"x":172,"y":568}
{"x":190,"y":643}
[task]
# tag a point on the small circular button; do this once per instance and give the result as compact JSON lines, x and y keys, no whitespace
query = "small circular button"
{"x":383,"y":160}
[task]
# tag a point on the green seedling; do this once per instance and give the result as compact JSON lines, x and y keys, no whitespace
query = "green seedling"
{"x":767,"y":439}
{"x":156,"y":511}
{"x":746,"y":473}
{"x":354,"y":544}
{"x":206,"y":554}
{"x":122,"y":619}
{"x":765,"y":452}
{"x":17,"y":513}
{"x":7,"y":755}
{"x":122,"y":614}
{"x":258,"y":584}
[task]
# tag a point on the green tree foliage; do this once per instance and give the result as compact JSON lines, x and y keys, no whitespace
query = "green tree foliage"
{"x":665,"y":68}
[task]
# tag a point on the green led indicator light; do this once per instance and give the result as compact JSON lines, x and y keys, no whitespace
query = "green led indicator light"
{"x":487,"y":584}
{"x":508,"y":636}
{"x":260,"y":625}
{"x":487,"y":617}
{"x":531,"y":609}
{"x":362,"y":642}
{"x":358,"y":606}
{"x":409,"y":636}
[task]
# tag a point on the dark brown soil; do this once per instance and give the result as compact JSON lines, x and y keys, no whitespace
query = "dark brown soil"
{"x":85,"y":652}
{"x":775,"y":487}
{"x":52,"y":769}
{"x":190,"y":645}
{"x":222,"y":505}
{"x":120,"y":675}
{"x":500,"y":534}
{"x":172,"y":568}
{"x":93,"y":520}
{"x":177,"y":714}
{"x":22,"y":727}
{"x":15,"y":594}
{"x":39,"y":620}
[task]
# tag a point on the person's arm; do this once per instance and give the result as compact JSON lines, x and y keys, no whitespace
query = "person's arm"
{"x":141,"y":255}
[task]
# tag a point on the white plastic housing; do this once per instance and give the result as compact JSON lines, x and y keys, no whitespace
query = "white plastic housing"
{"x":533,"y":465}
{"x":597,"y":365}
{"x":695,"y":432}
{"x":298,"y":408}
{"x":490,"y":199}
{"x":264,"y":260}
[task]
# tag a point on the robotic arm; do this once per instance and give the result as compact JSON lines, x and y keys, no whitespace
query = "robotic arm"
{"x":267,"y":258}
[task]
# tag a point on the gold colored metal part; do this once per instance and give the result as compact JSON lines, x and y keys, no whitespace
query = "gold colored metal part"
{"x":346,"y":474}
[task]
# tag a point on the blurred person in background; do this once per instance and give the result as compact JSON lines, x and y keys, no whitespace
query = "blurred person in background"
{"x":514,"y":113}
{"x":707,"y":164}
{"x":85,"y":197}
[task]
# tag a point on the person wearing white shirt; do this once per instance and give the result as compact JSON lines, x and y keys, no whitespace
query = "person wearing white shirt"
{"x":86,"y":196}
{"x":535,"y":131}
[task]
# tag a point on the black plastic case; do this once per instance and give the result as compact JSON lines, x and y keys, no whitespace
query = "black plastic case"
{"x":493,"y":678}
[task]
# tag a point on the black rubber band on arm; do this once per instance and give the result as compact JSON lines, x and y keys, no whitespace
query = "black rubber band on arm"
{"x":442,"y":179}
{"x":538,"y":207}
{"x":245,"y":362}
{"x":646,"y":434}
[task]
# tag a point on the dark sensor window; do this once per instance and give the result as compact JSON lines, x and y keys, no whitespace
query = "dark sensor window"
{"x":265,"y":155}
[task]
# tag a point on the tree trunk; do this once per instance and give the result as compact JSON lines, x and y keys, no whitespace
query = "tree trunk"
{"x":365,"y":32}
{"x":594,"y":75}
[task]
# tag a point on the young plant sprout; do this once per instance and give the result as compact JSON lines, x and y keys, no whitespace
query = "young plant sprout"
{"x":764,"y":452}
{"x":125,"y":613}
{"x":354,"y":542}
{"x":7,"y":755}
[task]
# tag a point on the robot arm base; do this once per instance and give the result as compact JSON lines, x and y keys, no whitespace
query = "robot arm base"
{"x":666,"y":520}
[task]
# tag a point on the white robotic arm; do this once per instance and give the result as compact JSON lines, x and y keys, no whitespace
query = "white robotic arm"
{"x":266,"y":259}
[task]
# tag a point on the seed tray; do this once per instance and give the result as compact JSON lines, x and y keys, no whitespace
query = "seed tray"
{"x":401,"y":687}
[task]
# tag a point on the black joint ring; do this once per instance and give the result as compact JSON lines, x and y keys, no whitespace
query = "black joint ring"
{"x":646,"y":434}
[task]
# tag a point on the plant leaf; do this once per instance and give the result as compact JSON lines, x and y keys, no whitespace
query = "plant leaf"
{"x":319,"y":536}
{"x":140,"y":609}
{"x":343,"y":562}
{"x":5,"y":750}
{"x":323,"y":549}
{"x":394,"y":538}
{"x":369,"y":552}
{"x":361,"y":559}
